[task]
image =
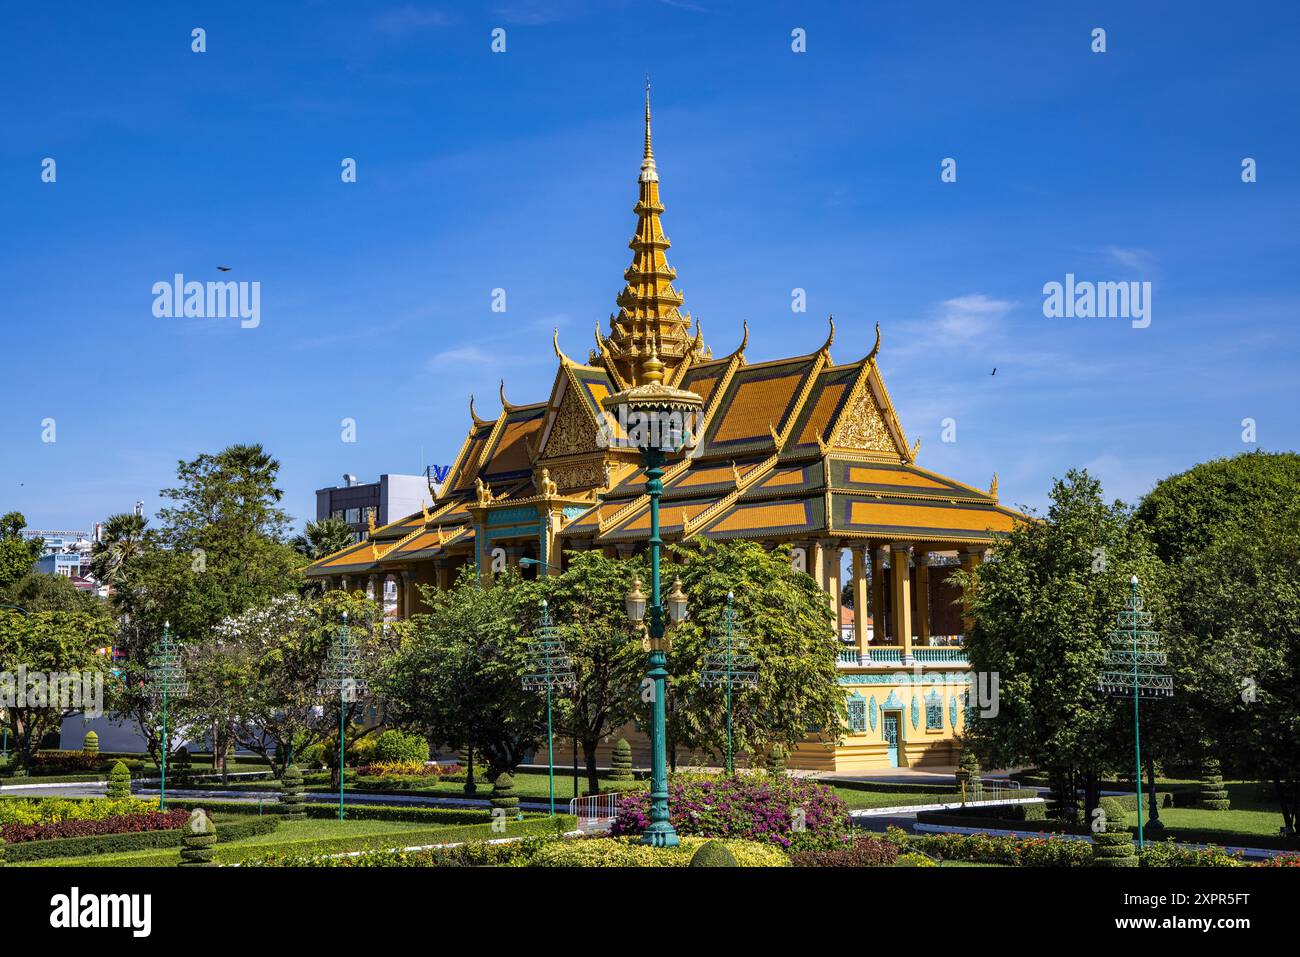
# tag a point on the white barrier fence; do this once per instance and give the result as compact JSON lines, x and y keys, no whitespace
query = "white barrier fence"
{"x":595,"y":812}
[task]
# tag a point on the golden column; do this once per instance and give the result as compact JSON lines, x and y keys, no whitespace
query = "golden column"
{"x":900,"y":579}
{"x":860,"y":589}
{"x":830,"y":582}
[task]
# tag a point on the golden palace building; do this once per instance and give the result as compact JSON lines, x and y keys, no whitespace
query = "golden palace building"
{"x":801,"y":451}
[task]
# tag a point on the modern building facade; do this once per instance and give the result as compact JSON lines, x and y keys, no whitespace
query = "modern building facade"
{"x":366,"y":505}
{"x":66,"y":553}
{"x":802,"y":451}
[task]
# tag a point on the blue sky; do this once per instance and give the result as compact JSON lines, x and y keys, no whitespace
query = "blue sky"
{"x":779,"y":170}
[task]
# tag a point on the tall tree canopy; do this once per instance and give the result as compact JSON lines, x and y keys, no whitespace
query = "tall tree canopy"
{"x":1185,"y":512}
{"x":790,"y":630}
{"x":1044,"y":606}
{"x":458,"y":678}
{"x":17,"y":554}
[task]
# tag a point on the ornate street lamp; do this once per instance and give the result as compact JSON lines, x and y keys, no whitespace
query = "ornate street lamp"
{"x":729,"y":663}
{"x":657,"y":420}
{"x":549,"y":667}
{"x":340,"y":676}
{"x":166,"y":677}
{"x":1135,"y":666}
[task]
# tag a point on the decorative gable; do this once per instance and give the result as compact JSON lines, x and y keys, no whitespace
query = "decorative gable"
{"x":573,"y":432}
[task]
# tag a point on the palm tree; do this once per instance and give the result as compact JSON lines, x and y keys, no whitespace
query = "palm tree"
{"x":121,"y":538}
{"x":324,"y":538}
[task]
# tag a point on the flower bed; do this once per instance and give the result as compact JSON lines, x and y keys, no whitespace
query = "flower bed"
{"x":53,"y":810}
{"x":863,"y":852}
{"x":542,"y":852}
{"x":791,"y":813}
{"x":90,"y":827}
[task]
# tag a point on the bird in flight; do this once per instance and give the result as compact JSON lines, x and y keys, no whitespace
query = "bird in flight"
{"x":223,"y":269}
{"x":995,"y":371}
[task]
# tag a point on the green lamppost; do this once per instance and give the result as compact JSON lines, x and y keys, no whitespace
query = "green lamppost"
{"x":1134,"y":666}
{"x":657,"y":420}
{"x":729,"y":663}
{"x":166,"y":677}
{"x":549,"y":667}
{"x":340,"y":676}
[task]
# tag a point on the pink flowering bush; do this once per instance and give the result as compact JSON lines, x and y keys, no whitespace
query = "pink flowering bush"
{"x":791,"y":813}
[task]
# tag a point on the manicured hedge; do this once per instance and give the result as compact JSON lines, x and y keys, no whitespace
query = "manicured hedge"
{"x":53,"y":779}
{"x":354,"y":812}
{"x":531,"y":827}
{"x":138,"y":841}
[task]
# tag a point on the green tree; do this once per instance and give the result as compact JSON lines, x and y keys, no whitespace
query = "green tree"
{"x":789,"y":626}
{"x":17,"y":555}
{"x":1238,"y":603}
{"x":220,"y":550}
{"x":1184,"y":513}
{"x":324,"y":537}
{"x":586,"y":603}
{"x":43,"y":643}
{"x":458,"y":677}
{"x":261,"y":671}
{"x":1043,"y":607}
{"x":122,"y":537}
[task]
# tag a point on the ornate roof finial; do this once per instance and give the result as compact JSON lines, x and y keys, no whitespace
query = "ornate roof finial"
{"x":649,"y":306}
{"x":826,"y":347}
{"x":506,"y":406}
{"x":871,"y":357}
{"x":559,"y":353}
{"x":993,"y":486}
{"x":648,"y":172}
{"x":474,"y":415}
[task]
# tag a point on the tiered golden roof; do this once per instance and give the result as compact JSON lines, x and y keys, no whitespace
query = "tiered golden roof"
{"x":650,"y":327}
{"x":788,"y":450}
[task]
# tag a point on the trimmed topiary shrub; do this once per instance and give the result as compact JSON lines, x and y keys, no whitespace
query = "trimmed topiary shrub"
{"x":1114,"y":815}
{"x":200,"y":836}
{"x":968,"y":770}
{"x":776,"y":760}
{"x":291,"y":802}
{"x":181,"y":765}
{"x":119,"y":782}
{"x":397,"y":746}
{"x":1213,"y":796}
{"x":1114,"y":849}
{"x":621,"y":762}
{"x":90,"y":744}
{"x":713,"y":854}
{"x":503,"y":794}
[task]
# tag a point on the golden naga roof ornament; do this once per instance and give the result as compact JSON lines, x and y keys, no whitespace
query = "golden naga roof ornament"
{"x":559,"y":353}
{"x":993,"y":486}
{"x":871,"y":356}
{"x":506,"y":406}
{"x":474,"y":415}
{"x":826,"y":346}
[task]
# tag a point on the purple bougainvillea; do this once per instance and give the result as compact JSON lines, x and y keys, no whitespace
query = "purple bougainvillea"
{"x":789,"y":812}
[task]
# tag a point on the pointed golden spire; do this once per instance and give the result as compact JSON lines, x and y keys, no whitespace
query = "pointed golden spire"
{"x":649,"y":331}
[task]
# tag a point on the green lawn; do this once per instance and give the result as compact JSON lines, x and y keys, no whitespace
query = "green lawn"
{"x":528,"y":784}
{"x":856,"y":798}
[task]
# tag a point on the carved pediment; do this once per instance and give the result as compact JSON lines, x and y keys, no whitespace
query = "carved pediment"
{"x":863,"y":427}
{"x":573,"y":431}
